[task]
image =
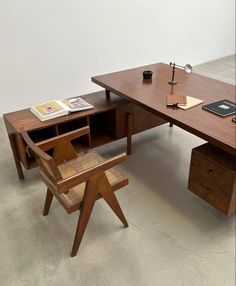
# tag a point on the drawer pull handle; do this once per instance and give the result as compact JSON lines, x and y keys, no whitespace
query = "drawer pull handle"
{"x":210,"y":171}
{"x":207,"y":190}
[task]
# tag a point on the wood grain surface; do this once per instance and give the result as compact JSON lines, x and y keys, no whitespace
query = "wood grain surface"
{"x":151,"y":95}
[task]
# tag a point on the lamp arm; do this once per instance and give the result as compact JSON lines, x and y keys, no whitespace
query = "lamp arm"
{"x":174,"y":64}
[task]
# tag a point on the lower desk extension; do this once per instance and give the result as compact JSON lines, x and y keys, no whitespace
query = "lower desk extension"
{"x":111,"y":119}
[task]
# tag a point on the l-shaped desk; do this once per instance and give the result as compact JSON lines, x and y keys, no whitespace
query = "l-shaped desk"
{"x":136,"y":105}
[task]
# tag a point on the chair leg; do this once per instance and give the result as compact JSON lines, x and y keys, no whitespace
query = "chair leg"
{"x":48,"y":201}
{"x":86,"y":209}
{"x":170,"y":124}
{"x":98,"y":184}
{"x":110,"y":198}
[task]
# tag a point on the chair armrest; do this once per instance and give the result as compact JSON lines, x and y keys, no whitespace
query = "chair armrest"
{"x":67,"y":137}
{"x":70,"y":182}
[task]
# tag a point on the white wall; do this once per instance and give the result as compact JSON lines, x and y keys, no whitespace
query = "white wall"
{"x":49,"y":49}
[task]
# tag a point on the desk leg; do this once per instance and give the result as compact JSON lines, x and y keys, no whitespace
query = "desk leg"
{"x":16,"y":157}
{"x":108,"y":98}
{"x":129,"y":133}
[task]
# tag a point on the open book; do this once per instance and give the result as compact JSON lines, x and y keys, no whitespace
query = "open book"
{"x":56,"y":108}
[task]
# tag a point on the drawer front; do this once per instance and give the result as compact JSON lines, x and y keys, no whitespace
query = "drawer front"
{"x":141,"y":119}
{"x":211,"y":182}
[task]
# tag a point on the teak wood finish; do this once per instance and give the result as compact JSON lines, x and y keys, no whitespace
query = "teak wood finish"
{"x":212,"y":177}
{"x":151,"y":95}
{"x":112,"y":118}
{"x":131,"y":105}
{"x":220,"y":132}
{"x":96,"y":180}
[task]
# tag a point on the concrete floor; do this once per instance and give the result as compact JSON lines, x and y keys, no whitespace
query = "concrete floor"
{"x":174,"y":238}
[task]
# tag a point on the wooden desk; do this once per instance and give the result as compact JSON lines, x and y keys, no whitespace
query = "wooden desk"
{"x":109,"y":120}
{"x":151,"y":95}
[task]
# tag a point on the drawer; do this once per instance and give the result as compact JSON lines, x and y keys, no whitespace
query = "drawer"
{"x":141,"y":119}
{"x":211,"y":180}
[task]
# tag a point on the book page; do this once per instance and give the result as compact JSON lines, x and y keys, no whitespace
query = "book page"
{"x":48,"y":108}
{"x":76,"y":104}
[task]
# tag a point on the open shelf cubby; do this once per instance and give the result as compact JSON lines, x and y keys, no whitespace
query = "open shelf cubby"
{"x":82,"y":142}
{"x":102,"y":128}
{"x":72,"y":125}
{"x":42,"y":134}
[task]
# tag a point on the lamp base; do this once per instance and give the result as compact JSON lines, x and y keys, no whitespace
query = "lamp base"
{"x":172,"y":82}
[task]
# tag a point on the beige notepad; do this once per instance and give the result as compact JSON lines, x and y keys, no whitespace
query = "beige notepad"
{"x":191,"y":102}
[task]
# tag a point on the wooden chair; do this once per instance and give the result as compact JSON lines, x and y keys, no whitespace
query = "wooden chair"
{"x":77,"y":180}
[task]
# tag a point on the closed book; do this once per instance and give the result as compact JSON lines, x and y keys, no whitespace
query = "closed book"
{"x":222,"y":107}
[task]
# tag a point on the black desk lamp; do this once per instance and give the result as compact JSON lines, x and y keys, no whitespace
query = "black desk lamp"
{"x":188,"y":68}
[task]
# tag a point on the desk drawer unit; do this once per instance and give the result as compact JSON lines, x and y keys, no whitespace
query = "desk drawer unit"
{"x":141,"y":119}
{"x":212,"y":177}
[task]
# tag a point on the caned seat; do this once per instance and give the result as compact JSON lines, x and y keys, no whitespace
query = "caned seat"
{"x":77,"y":180}
{"x":83,"y":162}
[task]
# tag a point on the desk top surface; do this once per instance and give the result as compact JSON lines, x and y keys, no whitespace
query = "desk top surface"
{"x":151,"y":95}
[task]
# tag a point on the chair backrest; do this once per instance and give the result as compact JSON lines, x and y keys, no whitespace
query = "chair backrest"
{"x":63,"y":152}
{"x":45,"y":161}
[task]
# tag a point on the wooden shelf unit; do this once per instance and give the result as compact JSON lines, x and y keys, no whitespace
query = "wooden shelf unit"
{"x":108,"y":121}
